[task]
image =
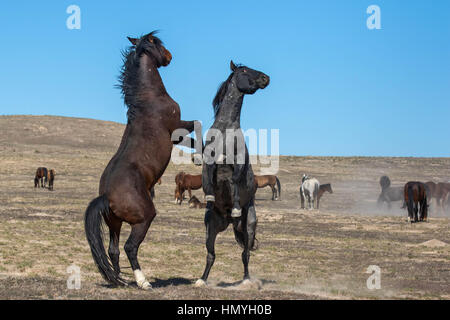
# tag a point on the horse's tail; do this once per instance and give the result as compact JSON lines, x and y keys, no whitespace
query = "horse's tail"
{"x":385,"y":182}
{"x":93,"y":219}
{"x":278,"y":187}
{"x":316,"y":193}
{"x":410,"y":203}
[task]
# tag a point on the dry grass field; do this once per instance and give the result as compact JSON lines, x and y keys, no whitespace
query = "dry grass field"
{"x":302,"y":255}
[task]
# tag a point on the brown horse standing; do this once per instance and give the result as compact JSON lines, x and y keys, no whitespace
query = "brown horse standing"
{"x":415,"y":194}
{"x":322,"y":189}
{"x":187,"y":182}
{"x":269,"y":180}
{"x":438,"y":191}
{"x":140,"y":161}
{"x":41,"y":176}
{"x":51,"y":178}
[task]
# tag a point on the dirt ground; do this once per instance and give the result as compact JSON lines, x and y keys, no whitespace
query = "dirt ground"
{"x":317,"y":254}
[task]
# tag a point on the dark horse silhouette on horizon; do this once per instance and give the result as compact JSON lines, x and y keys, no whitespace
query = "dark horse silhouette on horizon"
{"x":139,"y":162}
{"x":227,"y":175}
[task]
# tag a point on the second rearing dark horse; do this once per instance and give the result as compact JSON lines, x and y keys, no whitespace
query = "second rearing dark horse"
{"x":140,"y":161}
{"x":227,"y":176}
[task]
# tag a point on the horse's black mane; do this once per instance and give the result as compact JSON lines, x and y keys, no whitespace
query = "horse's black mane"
{"x":129,"y":74}
{"x":221,"y":92}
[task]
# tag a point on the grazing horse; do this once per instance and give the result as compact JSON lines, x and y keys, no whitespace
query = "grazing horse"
{"x":187,"y":182}
{"x":269,"y":180}
{"x":228,"y":179}
{"x":322,"y":189}
{"x":438,"y":191}
{"x":310,"y":190}
{"x":51,"y":178}
{"x":415,"y":194}
{"x":41,"y":176}
{"x":141,"y":159}
{"x":195,"y":203}
{"x":388,"y":193}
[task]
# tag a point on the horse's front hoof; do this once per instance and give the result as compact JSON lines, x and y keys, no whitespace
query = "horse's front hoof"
{"x":236,"y":213}
{"x":200,"y":283}
{"x":145,"y":285}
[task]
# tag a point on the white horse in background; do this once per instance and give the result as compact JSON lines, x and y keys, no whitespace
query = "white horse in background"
{"x":310,"y":189}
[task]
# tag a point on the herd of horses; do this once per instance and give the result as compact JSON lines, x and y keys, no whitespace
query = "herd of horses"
{"x":188,"y":182}
{"x":126,"y":188}
{"x":416,"y":197}
{"x":44,"y":176}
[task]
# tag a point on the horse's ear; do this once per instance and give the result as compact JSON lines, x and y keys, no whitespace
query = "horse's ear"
{"x":232,"y":66}
{"x":133,"y":41}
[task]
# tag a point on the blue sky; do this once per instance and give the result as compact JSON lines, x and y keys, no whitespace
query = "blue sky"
{"x":337,"y":88}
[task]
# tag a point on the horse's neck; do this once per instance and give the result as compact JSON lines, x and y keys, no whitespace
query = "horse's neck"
{"x":151,"y":84}
{"x":229,"y":114}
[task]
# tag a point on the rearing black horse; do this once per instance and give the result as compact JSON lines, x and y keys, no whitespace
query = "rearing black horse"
{"x":227,"y":176}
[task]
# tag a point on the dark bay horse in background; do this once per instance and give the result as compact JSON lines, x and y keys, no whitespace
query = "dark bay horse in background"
{"x":269,"y":180}
{"x":228,"y":180}
{"x":388,"y":193}
{"x":416,"y":196}
{"x":139,"y":162}
{"x":322,"y":189}
{"x":187,"y":182}
{"x":41,"y":176}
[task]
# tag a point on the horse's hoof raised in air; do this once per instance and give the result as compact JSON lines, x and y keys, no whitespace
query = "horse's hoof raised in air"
{"x":236,"y":213}
{"x":200,"y":283}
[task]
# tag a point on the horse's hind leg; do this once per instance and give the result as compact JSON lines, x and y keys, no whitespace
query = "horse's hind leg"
{"x":213,"y":226}
{"x":274,"y":192}
{"x":137,"y":235}
{"x":249,"y":238}
{"x":114,"y":234}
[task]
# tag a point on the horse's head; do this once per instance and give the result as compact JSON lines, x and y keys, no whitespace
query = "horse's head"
{"x":153,"y":47}
{"x":304,"y":178}
{"x":329,"y":189}
{"x":248,"y":80}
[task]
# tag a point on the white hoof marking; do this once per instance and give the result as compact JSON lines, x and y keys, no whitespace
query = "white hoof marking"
{"x":200,"y":283}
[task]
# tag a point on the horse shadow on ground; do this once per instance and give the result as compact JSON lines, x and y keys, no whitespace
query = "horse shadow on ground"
{"x":157,"y":283}
{"x":231,"y":285}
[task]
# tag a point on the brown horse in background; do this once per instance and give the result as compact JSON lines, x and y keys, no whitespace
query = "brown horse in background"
{"x":51,"y":178}
{"x":195,"y":203}
{"x":187,"y":182}
{"x":438,"y":191}
{"x":269,"y":180}
{"x":416,"y":195}
{"x":322,"y":189}
{"x":141,"y":159}
{"x":41,"y":176}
